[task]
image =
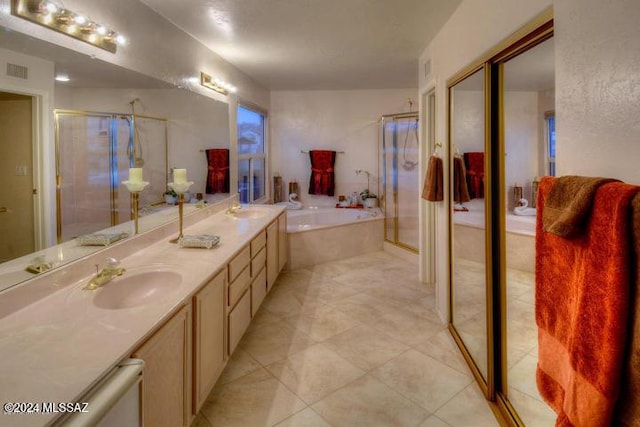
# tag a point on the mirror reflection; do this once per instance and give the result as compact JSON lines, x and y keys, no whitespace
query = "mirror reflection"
{"x":108,"y":119}
{"x":468,"y":278}
{"x":529,"y":138}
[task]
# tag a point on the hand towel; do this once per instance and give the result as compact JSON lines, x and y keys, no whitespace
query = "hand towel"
{"x":628,"y":409}
{"x":322,"y":180}
{"x":433,"y":189}
{"x":474,"y":162}
{"x":582,"y":294}
{"x":460,"y":190}
{"x":569,"y":204}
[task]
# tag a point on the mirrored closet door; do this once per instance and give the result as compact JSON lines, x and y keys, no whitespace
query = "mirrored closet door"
{"x":501,"y":139}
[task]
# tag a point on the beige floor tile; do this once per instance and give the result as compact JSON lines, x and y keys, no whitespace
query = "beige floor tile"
{"x":397,"y":293}
{"x":274,"y":342}
{"x":201,"y":421}
{"x":444,"y":349}
{"x":533,"y":412}
{"x":323,"y":323}
{"x":407,"y":327}
{"x":434,"y":421}
{"x":422,"y":379}
{"x":327,"y":291}
{"x":365,"y":347}
{"x":257,"y":399}
{"x":468,"y":408}
{"x":287,"y":303}
{"x":522,"y":377}
{"x":314,"y":372}
{"x":364,"y":308}
{"x":368,"y":402}
{"x":305,"y":418}
{"x":240,"y":364}
{"x":264,"y":317}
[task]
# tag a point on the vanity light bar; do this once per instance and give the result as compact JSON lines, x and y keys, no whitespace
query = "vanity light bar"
{"x":50,"y":15}
{"x":218,"y":85}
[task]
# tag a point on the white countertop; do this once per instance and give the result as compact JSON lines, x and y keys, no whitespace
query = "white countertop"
{"x":57,"y":348}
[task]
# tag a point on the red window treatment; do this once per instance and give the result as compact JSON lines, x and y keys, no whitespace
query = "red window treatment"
{"x":322,"y":180}
{"x":218,"y":170}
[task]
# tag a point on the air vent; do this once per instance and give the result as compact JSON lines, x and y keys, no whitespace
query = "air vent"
{"x":427,"y":67}
{"x":19,"y":71}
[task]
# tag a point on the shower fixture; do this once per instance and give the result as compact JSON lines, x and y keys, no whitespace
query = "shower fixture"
{"x":136,"y":150}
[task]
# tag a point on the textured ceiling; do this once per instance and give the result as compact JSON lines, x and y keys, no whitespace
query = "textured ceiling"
{"x":315,"y":44}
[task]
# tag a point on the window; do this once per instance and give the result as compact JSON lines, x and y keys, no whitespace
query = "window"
{"x":251,"y":154}
{"x":550,"y":136}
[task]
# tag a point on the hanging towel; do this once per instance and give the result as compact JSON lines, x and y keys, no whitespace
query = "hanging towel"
{"x":460,"y":190}
{"x":433,"y":189}
{"x":569,"y":204}
{"x":218,"y":170}
{"x":322,"y":180}
{"x":474,"y":162}
{"x":628,"y":409}
{"x":582,"y":294}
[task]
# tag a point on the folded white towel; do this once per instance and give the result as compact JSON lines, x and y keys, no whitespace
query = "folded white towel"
{"x":205,"y":241}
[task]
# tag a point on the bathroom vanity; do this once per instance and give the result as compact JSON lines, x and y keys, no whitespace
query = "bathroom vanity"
{"x":58,"y":341}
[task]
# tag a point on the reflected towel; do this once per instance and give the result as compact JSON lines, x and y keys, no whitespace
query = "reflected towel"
{"x":433,"y":189}
{"x":460,"y":190}
{"x":582,"y":296}
{"x":217,"y":170}
{"x":474,"y":162}
{"x":628,"y":409}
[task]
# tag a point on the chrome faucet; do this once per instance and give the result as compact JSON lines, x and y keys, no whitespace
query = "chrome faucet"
{"x":106,"y":275}
{"x":234,"y":205}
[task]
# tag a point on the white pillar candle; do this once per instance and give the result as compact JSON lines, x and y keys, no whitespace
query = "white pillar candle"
{"x":179,"y":176}
{"x":135,"y":174}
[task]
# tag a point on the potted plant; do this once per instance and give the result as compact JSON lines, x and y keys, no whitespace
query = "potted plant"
{"x":369,"y":200}
{"x":170,"y":196}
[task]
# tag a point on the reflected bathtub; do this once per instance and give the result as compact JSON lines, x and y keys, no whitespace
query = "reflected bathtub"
{"x":319,"y":235}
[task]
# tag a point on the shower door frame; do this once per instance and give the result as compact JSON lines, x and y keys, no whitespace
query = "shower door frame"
{"x":131,"y":150}
{"x":383,"y":120}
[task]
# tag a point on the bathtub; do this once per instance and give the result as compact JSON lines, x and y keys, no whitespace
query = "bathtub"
{"x":319,"y":235}
{"x":469,"y":236}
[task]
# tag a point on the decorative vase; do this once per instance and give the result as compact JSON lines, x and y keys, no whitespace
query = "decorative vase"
{"x":371,"y":202}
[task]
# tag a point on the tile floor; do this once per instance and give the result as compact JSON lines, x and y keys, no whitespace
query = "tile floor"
{"x":349,"y":343}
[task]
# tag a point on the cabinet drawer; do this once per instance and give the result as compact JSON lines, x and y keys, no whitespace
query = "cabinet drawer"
{"x":238,"y":263}
{"x":238,"y":286}
{"x":239,"y":320}
{"x":258,"y":291}
{"x":258,"y":243}
{"x":258,"y":263}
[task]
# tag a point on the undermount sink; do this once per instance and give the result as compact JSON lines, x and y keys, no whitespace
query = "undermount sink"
{"x":135,"y":288}
{"x":249,"y":213}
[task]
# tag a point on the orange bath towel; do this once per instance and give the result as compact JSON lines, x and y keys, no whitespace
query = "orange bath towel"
{"x":582,"y":296}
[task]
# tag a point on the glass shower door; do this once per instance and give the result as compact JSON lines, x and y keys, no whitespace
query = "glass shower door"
{"x":401,"y":179}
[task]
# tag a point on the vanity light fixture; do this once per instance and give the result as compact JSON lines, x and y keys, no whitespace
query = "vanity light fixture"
{"x":55,"y":17}
{"x":62,"y":78}
{"x":218,"y":85}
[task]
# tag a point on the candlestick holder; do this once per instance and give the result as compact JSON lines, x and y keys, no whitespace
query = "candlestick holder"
{"x":180,"y":188}
{"x":135,"y":187}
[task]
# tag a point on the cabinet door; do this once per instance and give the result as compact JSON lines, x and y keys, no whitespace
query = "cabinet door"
{"x":258,"y":291}
{"x":208,"y":338}
{"x":166,"y":380}
{"x":272,"y":254}
{"x":239,"y":320}
{"x":283,"y":241}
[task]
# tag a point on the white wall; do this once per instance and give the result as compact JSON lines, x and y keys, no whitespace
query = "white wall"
{"x":195,"y":122}
{"x":522,"y":142}
{"x":335,"y":120}
{"x":598,"y":88}
{"x":473,"y":29}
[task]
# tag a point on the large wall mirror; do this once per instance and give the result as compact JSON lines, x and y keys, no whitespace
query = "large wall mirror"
{"x":469,"y":213}
{"x":105,"y":119}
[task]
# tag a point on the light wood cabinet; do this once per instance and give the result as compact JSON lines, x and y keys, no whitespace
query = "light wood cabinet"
{"x":208,"y":338}
{"x":239,"y":320}
{"x":283,"y":241}
{"x":272,"y":254}
{"x":166,"y":384}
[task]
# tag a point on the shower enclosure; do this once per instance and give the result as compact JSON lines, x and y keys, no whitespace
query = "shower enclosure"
{"x":400,"y":179}
{"x":93,"y":154}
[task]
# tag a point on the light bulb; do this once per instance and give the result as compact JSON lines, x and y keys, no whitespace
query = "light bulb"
{"x":51,"y":8}
{"x":62,"y":78}
{"x":101,"y":30}
{"x":79,"y":19}
{"x":121,"y":40}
